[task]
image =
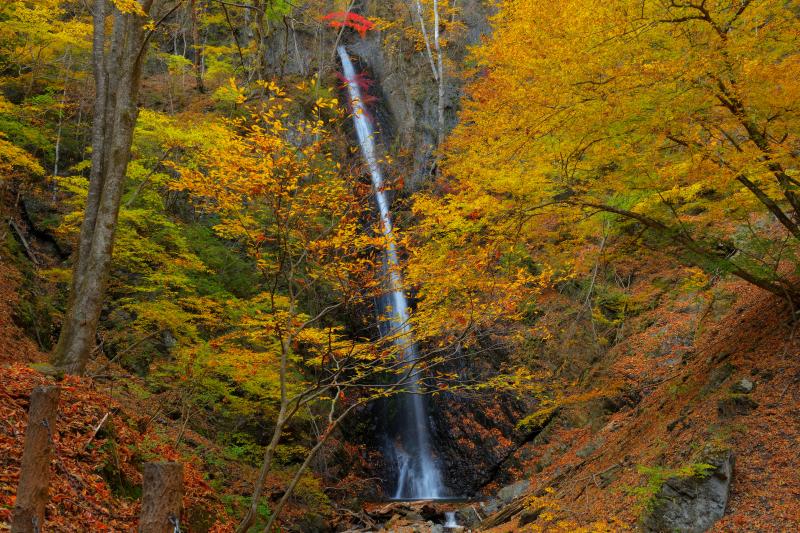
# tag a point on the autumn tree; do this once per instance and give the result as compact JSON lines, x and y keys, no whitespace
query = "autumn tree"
{"x":675,"y":119}
{"x":277,"y":189}
{"x":119,"y":49}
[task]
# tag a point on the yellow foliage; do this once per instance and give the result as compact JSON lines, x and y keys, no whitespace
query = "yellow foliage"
{"x":655,"y":110}
{"x":15,"y":161}
{"x":132,"y":7}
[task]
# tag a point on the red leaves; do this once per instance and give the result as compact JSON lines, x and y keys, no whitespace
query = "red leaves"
{"x":363,"y":82}
{"x":347,"y":19}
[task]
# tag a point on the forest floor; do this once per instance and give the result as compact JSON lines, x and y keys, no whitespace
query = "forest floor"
{"x":672,"y":406}
{"x":94,"y":476}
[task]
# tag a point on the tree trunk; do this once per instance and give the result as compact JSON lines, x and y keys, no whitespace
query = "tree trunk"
{"x":332,"y":425}
{"x":162,"y":498}
{"x":250,"y":517}
{"x":117,"y":70}
{"x":34,"y":472}
{"x":284,"y":415}
{"x":197,"y":56}
{"x":440,"y":80}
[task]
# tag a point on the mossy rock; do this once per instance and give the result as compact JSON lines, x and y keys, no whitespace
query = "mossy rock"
{"x":692,"y":504}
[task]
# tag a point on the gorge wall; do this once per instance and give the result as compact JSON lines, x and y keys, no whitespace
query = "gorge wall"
{"x":399,"y":68}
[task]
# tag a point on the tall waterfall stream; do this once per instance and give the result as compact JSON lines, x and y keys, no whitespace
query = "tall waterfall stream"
{"x":418,"y":473}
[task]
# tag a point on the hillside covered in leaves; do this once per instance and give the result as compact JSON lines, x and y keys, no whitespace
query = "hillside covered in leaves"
{"x":593,"y":210}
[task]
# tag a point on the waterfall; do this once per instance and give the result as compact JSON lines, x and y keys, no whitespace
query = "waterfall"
{"x":418,"y":472}
{"x":450,"y":521}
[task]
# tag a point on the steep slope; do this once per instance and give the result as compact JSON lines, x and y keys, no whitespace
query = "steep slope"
{"x":688,"y":386}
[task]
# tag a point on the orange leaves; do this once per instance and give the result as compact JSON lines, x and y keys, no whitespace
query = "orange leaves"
{"x":605,"y":103}
{"x":79,"y":494}
{"x":275,"y":185}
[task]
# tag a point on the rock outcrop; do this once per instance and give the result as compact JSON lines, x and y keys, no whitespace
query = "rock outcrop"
{"x":692,"y":504}
{"x":408,"y":89}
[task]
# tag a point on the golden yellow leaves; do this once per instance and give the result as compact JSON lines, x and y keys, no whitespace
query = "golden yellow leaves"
{"x":274,"y":183}
{"x":132,"y":7}
{"x":618,"y":102}
{"x":14,"y":160}
{"x":239,"y":95}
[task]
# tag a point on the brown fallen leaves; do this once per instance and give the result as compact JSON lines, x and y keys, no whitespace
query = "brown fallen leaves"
{"x":86,"y":464}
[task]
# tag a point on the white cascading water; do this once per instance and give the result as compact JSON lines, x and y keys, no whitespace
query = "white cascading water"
{"x":450,"y":521}
{"x":418,"y":472}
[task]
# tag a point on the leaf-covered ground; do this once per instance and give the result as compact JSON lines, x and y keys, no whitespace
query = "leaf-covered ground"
{"x":671,"y":378}
{"x":95,"y":474}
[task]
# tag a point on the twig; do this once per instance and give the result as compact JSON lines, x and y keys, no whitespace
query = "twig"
{"x":183,"y":426}
{"x":23,"y":240}
{"x":363,"y":517}
{"x":96,"y":430}
{"x":123,"y":352}
{"x":146,"y":179}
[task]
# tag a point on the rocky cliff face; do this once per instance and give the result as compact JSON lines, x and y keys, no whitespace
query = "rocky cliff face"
{"x":403,"y":80}
{"x":407,"y":84}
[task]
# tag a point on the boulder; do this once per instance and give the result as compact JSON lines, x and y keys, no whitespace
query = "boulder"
{"x":468,"y":516}
{"x":313,"y":523}
{"x":692,"y":504}
{"x":590,"y":448}
{"x":717,"y":377}
{"x":504,"y":496}
{"x":743,"y":386}
{"x":511,"y":492}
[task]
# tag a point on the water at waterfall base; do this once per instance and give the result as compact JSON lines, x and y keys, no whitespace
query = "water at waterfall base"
{"x":411,"y":451}
{"x":450,"y":519}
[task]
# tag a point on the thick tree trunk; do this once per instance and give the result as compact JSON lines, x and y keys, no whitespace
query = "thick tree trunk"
{"x":162,"y":498}
{"x":117,"y":71}
{"x":34,"y":475}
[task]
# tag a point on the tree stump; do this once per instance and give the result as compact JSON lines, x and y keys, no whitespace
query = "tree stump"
{"x":35,"y":469}
{"x":162,"y":497}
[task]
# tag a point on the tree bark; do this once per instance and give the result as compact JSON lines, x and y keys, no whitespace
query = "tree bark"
{"x":197,"y":56}
{"x":440,"y":80}
{"x":730,"y":100}
{"x":162,"y":498}
{"x":35,"y":470}
{"x":117,"y":70}
{"x":284,"y":415}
